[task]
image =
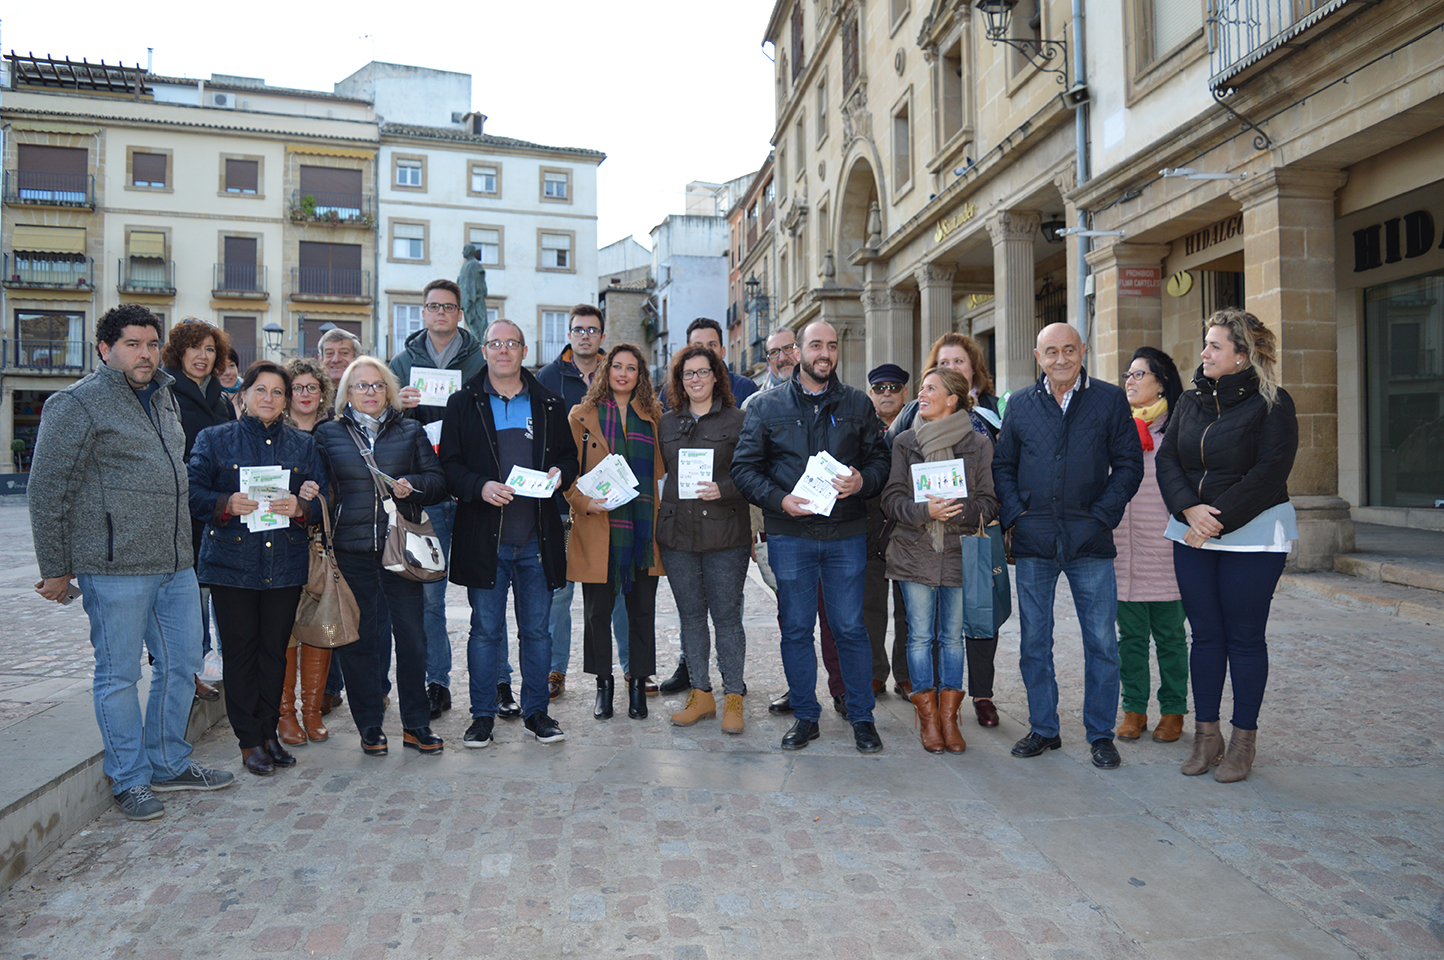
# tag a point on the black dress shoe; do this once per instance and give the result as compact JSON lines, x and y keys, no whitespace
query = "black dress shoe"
{"x":373,"y":742}
{"x":256,"y":760}
{"x":440,"y":699}
{"x":864,"y":735}
{"x":1105,"y":754}
{"x":278,"y":754}
{"x":782,"y":704}
{"x":506,"y":705}
{"x":1034,"y":744}
{"x":840,"y":704}
{"x":422,"y":740}
{"x":637,"y":698}
{"x":802,"y":733}
{"x":606,"y":686}
{"x":679,"y":680}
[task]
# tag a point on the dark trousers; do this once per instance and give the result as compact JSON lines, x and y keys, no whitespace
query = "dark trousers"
{"x":597,"y":602}
{"x":378,"y":591}
{"x":830,"y":663}
{"x":874,"y":618}
{"x":255,"y":626}
{"x":1227,"y":597}
{"x":981,"y":651}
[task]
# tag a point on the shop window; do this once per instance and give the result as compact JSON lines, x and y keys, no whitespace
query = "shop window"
{"x":1404,"y":390}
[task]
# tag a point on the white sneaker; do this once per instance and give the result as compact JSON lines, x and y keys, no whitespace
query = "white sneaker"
{"x":212,"y":671}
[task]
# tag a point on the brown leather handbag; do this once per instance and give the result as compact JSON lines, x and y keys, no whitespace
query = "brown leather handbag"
{"x":412,"y":549}
{"x":327,"y":614}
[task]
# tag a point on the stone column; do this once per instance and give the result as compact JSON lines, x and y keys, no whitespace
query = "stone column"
{"x":1123,"y":324}
{"x":935,"y":287}
{"x":889,"y":313}
{"x":1015,"y":311}
{"x":1288,"y":227}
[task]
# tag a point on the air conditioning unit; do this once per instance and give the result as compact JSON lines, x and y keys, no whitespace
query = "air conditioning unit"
{"x":226,"y":100}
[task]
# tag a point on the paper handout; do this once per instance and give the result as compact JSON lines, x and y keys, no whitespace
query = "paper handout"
{"x":531,"y":483}
{"x":435,"y":384}
{"x":815,"y":484}
{"x":610,"y":480}
{"x":264,"y":485}
{"x":941,"y":478}
{"x":694,"y":465}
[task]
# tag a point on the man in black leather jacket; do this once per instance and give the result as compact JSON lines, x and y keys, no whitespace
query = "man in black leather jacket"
{"x":784,"y":427}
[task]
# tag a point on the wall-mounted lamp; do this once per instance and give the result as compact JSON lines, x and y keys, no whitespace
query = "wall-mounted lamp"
{"x":1052,"y":229}
{"x":998,"y":15}
{"x":1188,"y":173}
{"x":273,"y":333}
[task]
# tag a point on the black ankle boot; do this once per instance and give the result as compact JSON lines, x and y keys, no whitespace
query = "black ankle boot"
{"x":679,"y":680}
{"x":605,"y":687}
{"x":637,"y":698}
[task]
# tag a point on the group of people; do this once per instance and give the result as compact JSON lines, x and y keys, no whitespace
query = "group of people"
{"x":1090,"y":481}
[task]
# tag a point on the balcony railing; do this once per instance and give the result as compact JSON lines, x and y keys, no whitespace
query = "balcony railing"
{"x":62,"y":356}
{"x":332,"y":207}
{"x":145,"y":275}
{"x":239,"y":279}
{"x":1243,"y":32}
{"x":50,"y":189}
{"x":29,"y":271}
{"x":330,"y":282}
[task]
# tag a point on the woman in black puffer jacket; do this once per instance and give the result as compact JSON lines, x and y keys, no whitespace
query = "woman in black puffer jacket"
{"x":369,"y":403}
{"x":1223,"y":469}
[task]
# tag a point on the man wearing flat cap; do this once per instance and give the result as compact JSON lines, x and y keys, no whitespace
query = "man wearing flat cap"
{"x":888,"y":389}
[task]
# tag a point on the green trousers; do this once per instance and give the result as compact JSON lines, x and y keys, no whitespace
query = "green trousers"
{"x":1164,"y":620}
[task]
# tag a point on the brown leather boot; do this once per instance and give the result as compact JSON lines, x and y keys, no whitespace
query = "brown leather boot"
{"x":315,"y":664}
{"x":1169,"y":729}
{"x":287,"y":728}
{"x":732,"y":713}
{"x":927,"y":707}
{"x":1133,"y":725}
{"x":949,"y":702}
{"x":1239,"y":760}
{"x":1207,"y":749}
{"x":701,"y":705}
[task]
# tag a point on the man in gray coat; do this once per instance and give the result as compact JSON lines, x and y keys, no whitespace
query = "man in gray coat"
{"x":108,"y":505}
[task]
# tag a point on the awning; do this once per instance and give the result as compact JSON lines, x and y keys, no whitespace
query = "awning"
{"x":330,"y":151}
{"x":54,"y":128}
{"x":33,"y":239}
{"x":147,"y":245}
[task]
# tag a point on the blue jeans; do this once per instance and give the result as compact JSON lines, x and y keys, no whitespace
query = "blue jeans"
{"x":935,"y":619}
{"x":800,"y":564}
{"x":438,"y":644}
{"x":560,"y":625}
{"x":518,"y":569}
{"x":1095,"y":597}
{"x":127,"y":615}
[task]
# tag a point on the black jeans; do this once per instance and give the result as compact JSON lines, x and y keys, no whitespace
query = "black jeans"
{"x":255,"y":626}
{"x":875,"y":589}
{"x":377,"y":590}
{"x":597,"y":602}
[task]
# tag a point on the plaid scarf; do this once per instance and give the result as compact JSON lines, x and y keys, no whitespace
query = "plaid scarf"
{"x":631,"y":523}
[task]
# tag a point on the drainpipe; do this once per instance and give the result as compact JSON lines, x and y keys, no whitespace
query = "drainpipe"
{"x":1080,"y":130}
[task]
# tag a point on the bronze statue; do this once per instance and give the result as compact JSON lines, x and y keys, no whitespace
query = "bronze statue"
{"x":473,"y":288}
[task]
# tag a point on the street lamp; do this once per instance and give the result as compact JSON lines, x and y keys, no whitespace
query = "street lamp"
{"x":999,"y":17}
{"x":273,"y":333}
{"x":752,"y":286}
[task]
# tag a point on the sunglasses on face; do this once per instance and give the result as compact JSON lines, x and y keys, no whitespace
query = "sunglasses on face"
{"x":881,"y":388}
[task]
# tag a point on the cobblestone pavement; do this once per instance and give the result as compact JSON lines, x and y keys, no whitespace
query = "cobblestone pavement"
{"x":639,"y":839}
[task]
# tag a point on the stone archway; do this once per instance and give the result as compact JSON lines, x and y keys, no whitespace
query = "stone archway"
{"x":859,"y":191}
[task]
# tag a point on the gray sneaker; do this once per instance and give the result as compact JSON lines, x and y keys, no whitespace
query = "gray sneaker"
{"x":138,"y":803}
{"x":196,"y":777}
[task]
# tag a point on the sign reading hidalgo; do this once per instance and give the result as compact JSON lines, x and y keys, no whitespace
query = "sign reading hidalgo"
{"x":948,"y":224}
{"x":1140,"y":281}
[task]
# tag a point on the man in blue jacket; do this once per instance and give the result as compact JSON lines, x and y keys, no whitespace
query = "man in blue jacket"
{"x":1067,"y":463}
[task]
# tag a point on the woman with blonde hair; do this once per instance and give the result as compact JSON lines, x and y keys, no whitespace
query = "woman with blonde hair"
{"x":613,"y":552}
{"x":1223,"y":469}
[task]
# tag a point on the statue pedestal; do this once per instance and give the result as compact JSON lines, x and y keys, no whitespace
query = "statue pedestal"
{"x":1326,"y":528}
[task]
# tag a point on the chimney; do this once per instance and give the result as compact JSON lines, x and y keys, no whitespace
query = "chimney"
{"x":475,"y":121}
{"x":149,"y":58}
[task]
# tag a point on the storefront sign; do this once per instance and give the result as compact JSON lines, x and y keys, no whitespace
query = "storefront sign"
{"x":1180,"y":283}
{"x":1140,"y":281}
{"x":978,"y":299}
{"x":1402,"y":238}
{"x":948,"y":224}
{"x":1203,"y":239}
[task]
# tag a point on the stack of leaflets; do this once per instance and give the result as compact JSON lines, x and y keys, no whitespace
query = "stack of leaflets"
{"x":264,"y":485}
{"x":815,"y":484}
{"x":611,"y":480}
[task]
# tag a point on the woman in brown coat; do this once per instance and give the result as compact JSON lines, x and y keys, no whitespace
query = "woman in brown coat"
{"x":614,"y":552}
{"x":925,"y":553}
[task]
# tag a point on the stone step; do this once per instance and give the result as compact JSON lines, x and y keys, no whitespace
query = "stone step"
{"x":1420,"y":573}
{"x":1410,"y":603}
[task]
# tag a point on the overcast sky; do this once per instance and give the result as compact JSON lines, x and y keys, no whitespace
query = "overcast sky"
{"x":670,"y":90}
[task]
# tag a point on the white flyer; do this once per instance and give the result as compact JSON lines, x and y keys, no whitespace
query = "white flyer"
{"x":941,"y":478}
{"x":694,"y":465}
{"x":606,"y":482}
{"x":436,"y":385}
{"x":624,"y":470}
{"x":815,"y":485}
{"x":531,"y":483}
{"x":263,"y":485}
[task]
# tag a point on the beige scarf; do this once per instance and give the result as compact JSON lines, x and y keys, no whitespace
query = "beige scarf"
{"x":937,"y":438}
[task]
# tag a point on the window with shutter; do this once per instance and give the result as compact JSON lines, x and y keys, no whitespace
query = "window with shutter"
{"x":148,"y":169}
{"x":488,"y":242}
{"x":849,"y":54}
{"x":408,"y":173}
{"x":555,"y":185}
{"x":336,"y":190}
{"x":408,"y":241}
{"x":556,"y":250}
{"x":796,"y":39}
{"x":242,"y":176}
{"x":1173,"y":22}
{"x":483,"y":179}
{"x":53,"y":174}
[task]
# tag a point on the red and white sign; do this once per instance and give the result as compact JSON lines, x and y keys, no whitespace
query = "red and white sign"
{"x":1140,"y":281}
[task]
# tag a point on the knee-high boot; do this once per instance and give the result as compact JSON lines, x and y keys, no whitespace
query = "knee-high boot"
{"x":315,"y":665}
{"x":287,"y":728}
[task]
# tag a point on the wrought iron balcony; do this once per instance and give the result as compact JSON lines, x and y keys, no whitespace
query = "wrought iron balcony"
{"x":325,"y":282}
{"x":1244,"y":32}
{"x":24,"y":270}
{"x":146,"y":275}
{"x":336,"y":208}
{"x":39,"y":188}
{"x":244,"y":280}
{"x":61,"y":356}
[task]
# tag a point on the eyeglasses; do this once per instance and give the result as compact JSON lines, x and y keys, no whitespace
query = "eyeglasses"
{"x":1135,"y":375}
{"x":881,"y":388}
{"x":702,"y":374}
{"x":498,"y":344}
{"x":307,"y":388}
{"x":441,"y":308}
{"x":776,"y":352}
{"x":586,"y":331}
{"x":369,"y":387}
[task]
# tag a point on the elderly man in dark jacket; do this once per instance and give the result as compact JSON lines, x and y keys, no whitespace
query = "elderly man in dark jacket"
{"x":784,"y":427}
{"x":1067,"y":463}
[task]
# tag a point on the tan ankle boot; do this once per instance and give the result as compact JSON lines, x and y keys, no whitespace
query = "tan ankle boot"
{"x":1169,"y":729}
{"x":287,"y":728}
{"x":315,"y":663}
{"x":927,"y":707}
{"x":701,"y":705}
{"x":949,"y":702}
{"x":1239,"y":760}
{"x":1133,"y":725}
{"x":732,"y":713}
{"x":1207,"y":749}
